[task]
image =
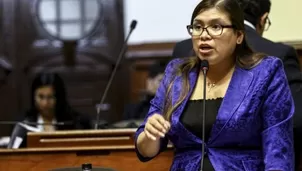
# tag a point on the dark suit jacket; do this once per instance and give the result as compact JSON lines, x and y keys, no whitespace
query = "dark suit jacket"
{"x":291,"y":65}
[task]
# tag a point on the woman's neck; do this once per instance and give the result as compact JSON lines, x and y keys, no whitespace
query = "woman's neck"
{"x":220,"y":71}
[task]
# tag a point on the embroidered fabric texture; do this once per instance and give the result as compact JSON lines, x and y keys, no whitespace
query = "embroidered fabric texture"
{"x":253,"y":127}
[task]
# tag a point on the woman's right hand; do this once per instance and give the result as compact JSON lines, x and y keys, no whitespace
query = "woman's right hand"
{"x":156,"y":127}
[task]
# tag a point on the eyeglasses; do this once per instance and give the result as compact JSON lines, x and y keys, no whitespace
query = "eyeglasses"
{"x":212,"y":30}
{"x":268,"y":23}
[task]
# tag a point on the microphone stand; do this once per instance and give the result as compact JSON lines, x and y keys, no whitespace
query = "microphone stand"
{"x":204,"y":67}
{"x":101,"y":104}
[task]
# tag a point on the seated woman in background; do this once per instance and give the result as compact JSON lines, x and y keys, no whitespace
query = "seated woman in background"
{"x":49,"y":109}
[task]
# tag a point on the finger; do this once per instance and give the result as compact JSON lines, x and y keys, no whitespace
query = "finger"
{"x":163,"y":122}
{"x":158,"y":126}
{"x":149,"y":135}
{"x":155,"y":132}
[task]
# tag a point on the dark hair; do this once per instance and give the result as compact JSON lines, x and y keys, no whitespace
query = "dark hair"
{"x":63,"y":111}
{"x":254,"y":9}
{"x":157,"y":68}
{"x":245,"y":57}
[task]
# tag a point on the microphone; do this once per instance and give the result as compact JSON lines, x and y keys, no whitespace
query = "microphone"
{"x":204,"y":66}
{"x":121,"y":54}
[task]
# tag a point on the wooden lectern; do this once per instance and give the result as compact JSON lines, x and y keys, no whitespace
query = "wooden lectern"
{"x":112,"y":148}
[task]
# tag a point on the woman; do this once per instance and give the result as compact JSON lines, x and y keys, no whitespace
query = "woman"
{"x":249,"y":104}
{"x":49,"y":108}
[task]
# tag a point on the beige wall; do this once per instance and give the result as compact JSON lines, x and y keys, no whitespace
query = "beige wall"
{"x":286,"y":18}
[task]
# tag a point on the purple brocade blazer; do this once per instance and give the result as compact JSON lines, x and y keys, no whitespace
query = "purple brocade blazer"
{"x":253,"y":129}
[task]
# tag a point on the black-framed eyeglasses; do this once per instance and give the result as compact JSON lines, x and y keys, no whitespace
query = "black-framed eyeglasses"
{"x":212,"y":30}
{"x":268,"y":23}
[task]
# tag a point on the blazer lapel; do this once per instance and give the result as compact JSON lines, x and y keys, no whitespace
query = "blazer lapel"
{"x":238,"y":87}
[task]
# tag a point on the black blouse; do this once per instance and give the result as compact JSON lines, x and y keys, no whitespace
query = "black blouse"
{"x":192,"y":120}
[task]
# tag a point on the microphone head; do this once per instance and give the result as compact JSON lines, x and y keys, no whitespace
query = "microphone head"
{"x":133,"y":24}
{"x":204,"y":65}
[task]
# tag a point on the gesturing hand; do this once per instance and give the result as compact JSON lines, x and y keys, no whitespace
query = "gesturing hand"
{"x":156,"y":127}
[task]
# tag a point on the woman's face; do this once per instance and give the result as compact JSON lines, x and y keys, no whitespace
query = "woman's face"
{"x":45,"y":100}
{"x":220,"y":44}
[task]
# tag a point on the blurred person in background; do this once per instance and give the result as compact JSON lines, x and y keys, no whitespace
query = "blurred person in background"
{"x":49,"y":106}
